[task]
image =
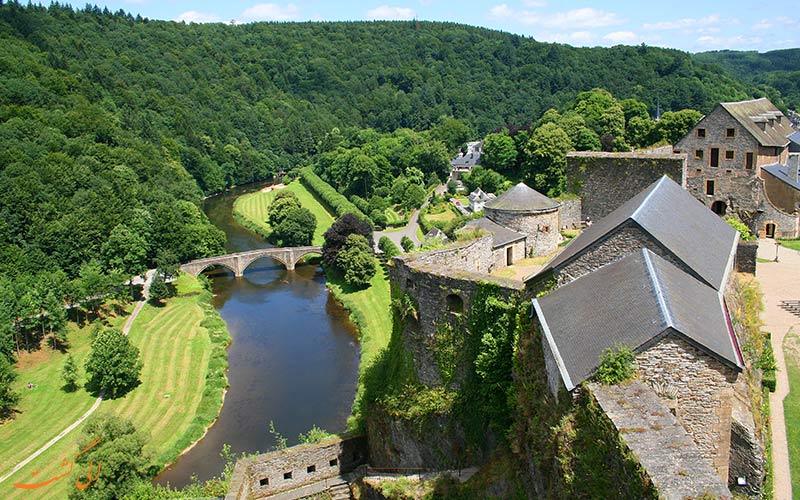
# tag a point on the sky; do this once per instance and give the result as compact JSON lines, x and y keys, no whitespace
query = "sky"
{"x":693,"y":26}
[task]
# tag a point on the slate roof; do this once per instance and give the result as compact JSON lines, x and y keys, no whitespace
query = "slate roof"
{"x":521,"y":198}
{"x":794,"y":139}
{"x":633,"y":302}
{"x":684,"y":226}
{"x":501,"y":234}
{"x":750,"y":113}
{"x":781,"y":172}
{"x":467,"y":160}
{"x":479,"y":195}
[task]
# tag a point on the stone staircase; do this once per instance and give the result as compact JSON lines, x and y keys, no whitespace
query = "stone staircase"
{"x":340,"y":491}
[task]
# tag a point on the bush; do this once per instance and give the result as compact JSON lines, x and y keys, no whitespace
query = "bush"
{"x":407,"y":244}
{"x":616,"y":366}
{"x":744,"y":232}
{"x":335,"y":200}
{"x":388,"y":248}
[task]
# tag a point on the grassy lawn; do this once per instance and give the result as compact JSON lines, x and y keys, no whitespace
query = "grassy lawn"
{"x":370,"y":311}
{"x":791,"y":406}
{"x":395,"y":217}
{"x":442,"y":212}
{"x":793,"y":244}
{"x":172,"y":403}
{"x":251,"y":210}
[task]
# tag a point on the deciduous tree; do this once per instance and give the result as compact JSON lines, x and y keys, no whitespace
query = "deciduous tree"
{"x":337,"y":234}
{"x":113,"y":364}
{"x":356,"y":261}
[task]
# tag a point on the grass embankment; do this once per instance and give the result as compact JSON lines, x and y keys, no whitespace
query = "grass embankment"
{"x":793,"y":244}
{"x":396,"y":217}
{"x":791,"y":406}
{"x":182,"y":348}
{"x":250,"y":210}
{"x":370,"y":311}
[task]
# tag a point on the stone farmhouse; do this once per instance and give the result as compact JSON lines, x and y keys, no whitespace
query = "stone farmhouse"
{"x":740,"y":159}
{"x":635,"y":278}
{"x":523,"y":222}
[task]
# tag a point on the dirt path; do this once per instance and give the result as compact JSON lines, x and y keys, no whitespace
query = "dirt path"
{"x":779,"y":281}
{"x":73,"y":425}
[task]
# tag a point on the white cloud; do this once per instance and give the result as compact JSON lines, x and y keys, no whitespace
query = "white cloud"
{"x":622,"y":37}
{"x":708,"y":42}
{"x":687,"y":23}
{"x":583,"y":38}
{"x":192,"y":16}
{"x":270,"y":12}
{"x":388,"y":13}
{"x":586,"y":17}
{"x":501,"y":11}
{"x":763,"y":24}
{"x":534,"y":3}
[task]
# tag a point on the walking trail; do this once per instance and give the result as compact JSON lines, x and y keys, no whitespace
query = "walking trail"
{"x":125,"y":330}
{"x":779,"y":282}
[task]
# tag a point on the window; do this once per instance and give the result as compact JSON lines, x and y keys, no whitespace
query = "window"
{"x":714,"y":157}
{"x":311,"y":468}
{"x":729,"y":154}
{"x":748,"y":160}
{"x":334,"y":462}
{"x":264,"y":481}
{"x":698,"y":154}
{"x":730,"y":132}
{"x":287,"y":475}
{"x":718,"y":207}
{"x":701,"y":132}
{"x":455,"y":304}
{"x":710,"y":188}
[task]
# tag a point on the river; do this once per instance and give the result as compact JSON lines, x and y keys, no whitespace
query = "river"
{"x":293,"y":360}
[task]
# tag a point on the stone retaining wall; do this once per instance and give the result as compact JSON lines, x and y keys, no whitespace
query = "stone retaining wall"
{"x":746,"y":256}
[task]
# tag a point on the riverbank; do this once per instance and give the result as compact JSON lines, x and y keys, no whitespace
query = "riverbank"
{"x":250,"y":210}
{"x":181,"y":343}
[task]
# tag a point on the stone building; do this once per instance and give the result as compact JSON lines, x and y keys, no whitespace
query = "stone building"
{"x":663,"y":218}
{"x":677,"y":326}
{"x":727,"y":153}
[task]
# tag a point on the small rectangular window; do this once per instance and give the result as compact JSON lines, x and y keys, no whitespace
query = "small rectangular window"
{"x":748,"y":160}
{"x":729,"y":154}
{"x":730,"y":132}
{"x":264,"y":481}
{"x":311,"y":468}
{"x":334,"y":462}
{"x":714,"y":157}
{"x":701,"y":132}
{"x":287,"y":475}
{"x":698,"y":154}
{"x":710,"y":188}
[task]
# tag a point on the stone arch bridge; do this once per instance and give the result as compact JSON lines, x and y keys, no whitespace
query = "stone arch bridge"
{"x":238,"y":262}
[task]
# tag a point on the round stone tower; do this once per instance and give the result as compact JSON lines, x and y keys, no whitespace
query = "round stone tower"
{"x":528,"y":212}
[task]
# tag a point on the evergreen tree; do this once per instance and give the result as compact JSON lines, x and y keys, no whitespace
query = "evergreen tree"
{"x":70,"y":374}
{"x":8,"y":398}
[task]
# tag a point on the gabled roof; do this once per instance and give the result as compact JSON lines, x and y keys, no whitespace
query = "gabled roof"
{"x":781,"y":172}
{"x":632,"y":302}
{"x":761,"y":111}
{"x":501,"y":234}
{"x":684,"y":226}
{"x":521,"y":198}
{"x":467,"y":160}
{"x":479,"y":195}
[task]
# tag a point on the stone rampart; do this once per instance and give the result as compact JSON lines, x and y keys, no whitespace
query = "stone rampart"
{"x":665,"y":451}
{"x":703,"y":390}
{"x":283,"y":470}
{"x":604,"y":181}
{"x":569,"y":214}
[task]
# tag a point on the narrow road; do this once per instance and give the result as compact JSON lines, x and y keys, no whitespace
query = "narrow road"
{"x":73,"y":425}
{"x":409,"y":229}
{"x":779,"y":282}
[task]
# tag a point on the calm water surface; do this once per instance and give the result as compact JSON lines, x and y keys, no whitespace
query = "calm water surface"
{"x":294,"y":357}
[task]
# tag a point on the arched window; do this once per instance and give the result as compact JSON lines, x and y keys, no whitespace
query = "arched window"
{"x":719,"y":207}
{"x":455,"y":304}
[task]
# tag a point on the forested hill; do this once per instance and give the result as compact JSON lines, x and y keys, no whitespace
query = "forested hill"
{"x":775,"y":70}
{"x":237,"y":102}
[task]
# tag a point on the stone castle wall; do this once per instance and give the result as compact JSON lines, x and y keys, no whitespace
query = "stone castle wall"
{"x":541,"y":228}
{"x":501,"y":256}
{"x":569,"y":214}
{"x":746,"y":256}
{"x":787,"y":225}
{"x":283,"y":470}
{"x":704,"y":388}
{"x":604,"y":181}
{"x":783,"y":196}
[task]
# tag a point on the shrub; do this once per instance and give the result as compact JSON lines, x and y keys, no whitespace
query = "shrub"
{"x":388,"y":248}
{"x":616,"y":366}
{"x":335,"y":200}
{"x":744,"y":232}
{"x":407,"y":244}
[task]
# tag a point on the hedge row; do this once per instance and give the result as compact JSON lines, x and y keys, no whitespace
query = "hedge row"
{"x":335,"y":200}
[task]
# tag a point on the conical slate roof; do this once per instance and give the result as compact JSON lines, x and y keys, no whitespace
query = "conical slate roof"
{"x":521,"y":198}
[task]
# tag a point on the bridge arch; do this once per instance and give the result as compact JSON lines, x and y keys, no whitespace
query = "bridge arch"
{"x":203,"y":267}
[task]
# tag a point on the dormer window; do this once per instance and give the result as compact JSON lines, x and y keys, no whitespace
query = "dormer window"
{"x":701,"y":132}
{"x":730,"y":132}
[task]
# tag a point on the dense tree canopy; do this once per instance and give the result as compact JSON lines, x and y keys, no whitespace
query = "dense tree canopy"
{"x":336,"y":236}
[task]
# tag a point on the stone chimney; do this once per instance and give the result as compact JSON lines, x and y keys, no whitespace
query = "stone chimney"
{"x":793,"y":164}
